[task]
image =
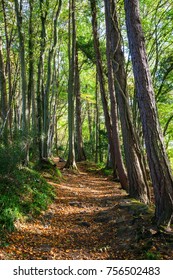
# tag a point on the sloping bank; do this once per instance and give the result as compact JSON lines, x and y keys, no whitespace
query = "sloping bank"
{"x":24,"y":193}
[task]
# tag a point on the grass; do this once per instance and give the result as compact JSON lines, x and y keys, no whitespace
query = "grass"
{"x":24,"y":193}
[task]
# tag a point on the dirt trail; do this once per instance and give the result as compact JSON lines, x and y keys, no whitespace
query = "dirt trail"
{"x":89,"y":219}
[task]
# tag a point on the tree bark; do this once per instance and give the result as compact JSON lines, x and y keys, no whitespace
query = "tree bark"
{"x":46,"y":112}
{"x":31,"y":89}
{"x":158,"y":161}
{"x":112,"y":132}
{"x":97,"y":122}
{"x":8,"y":63}
{"x":71,"y":161}
{"x":3,"y":91}
{"x":40,"y":77}
{"x":22,"y":65}
{"x":137,"y":182}
{"x":80,"y":148}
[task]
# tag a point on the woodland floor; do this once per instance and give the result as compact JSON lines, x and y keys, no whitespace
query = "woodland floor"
{"x":91,"y":218}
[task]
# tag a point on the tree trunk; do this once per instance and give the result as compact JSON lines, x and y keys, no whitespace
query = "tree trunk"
{"x":46,"y":112}
{"x":52,"y":132}
{"x":114,"y":142}
{"x":97,"y":122}
{"x":80,"y":149}
{"x":22,"y":65}
{"x":71,"y":161}
{"x":3,"y":91}
{"x":40,"y":77}
{"x":137,"y":186}
{"x":8,"y":63}
{"x":111,"y":86}
{"x":31,"y":89}
{"x":158,"y":161}
{"x":90,"y":126}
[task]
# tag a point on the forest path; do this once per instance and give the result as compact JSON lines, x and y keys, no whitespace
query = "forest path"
{"x":89,"y":219}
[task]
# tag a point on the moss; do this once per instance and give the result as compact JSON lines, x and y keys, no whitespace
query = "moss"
{"x":48,"y":169}
{"x":23,"y":193}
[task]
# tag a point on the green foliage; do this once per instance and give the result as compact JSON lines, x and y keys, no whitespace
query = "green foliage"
{"x":87,"y":48}
{"x":107,"y":171}
{"x":100,"y":168}
{"x":170,"y":155}
{"x":10,"y":157}
{"x":165,"y":109}
{"x":23,"y":193}
{"x":90,"y":145}
{"x":50,"y":167}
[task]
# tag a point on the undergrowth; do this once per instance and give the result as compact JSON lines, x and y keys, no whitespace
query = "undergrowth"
{"x":48,"y":169}
{"x":23,"y":194}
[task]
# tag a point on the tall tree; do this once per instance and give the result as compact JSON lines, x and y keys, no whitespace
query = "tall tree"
{"x":158,"y":162}
{"x":49,"y":79}
{"x":3,"y":91}
{"x":40,"y":76}
{"x":112,"y":132}
{"x":137,"y":183}
{"x":23,"y":67}
{"x":31,"y":84}
{"x":97,"y":121}
{"x":80,"y":148}
{"x":71,"y":161}
{"x":19,"y":17}
{"x":8,"y":63}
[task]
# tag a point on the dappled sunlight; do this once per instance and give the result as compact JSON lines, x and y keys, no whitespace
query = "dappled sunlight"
{"x":68,"y":228}
{"x":89,"y":219}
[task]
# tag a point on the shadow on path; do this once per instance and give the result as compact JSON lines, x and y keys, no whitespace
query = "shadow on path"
{"x":89,"y":219}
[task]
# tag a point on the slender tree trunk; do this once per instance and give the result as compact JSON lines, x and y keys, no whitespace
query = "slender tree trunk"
{"x":71,"y":161}
{"x":8,"y":67}
{"x":138,"y":187}
{"x":80,"y":149}
{"x":97,"y":123}
{"x":15,"y":97}
{"x":31,"y":89}
{"x":158,"y":162}
{"x":111,"y":86}
{"x":32,"y":121}
{"x":89,"y":115}
{"x":114,"y":142}
{"x":3,"y":91}
{"x":40,"y":78}
{"x":48,"y":82}
{"x":22,"y":66}
{"x":52,"y":131}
